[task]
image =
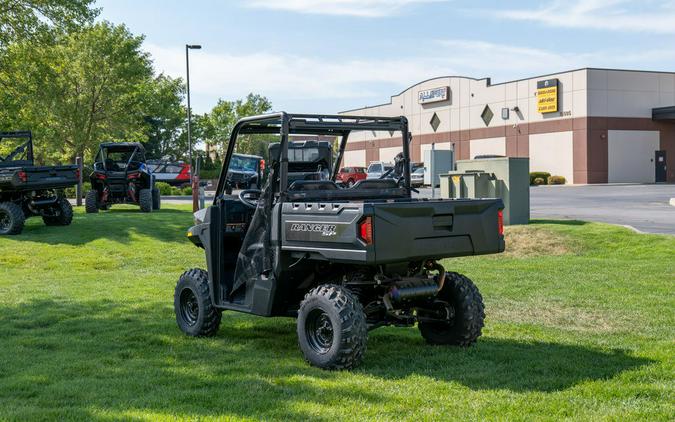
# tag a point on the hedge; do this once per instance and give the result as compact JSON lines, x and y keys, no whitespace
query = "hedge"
{"x":539,"y":175}
{"x":556,"y":180}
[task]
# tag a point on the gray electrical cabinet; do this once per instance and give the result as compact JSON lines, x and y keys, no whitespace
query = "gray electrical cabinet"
{"x":440,"y":161}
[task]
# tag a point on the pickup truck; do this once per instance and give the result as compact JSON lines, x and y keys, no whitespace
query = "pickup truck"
{"x":342,"y":260}
{"x":28,"y":190}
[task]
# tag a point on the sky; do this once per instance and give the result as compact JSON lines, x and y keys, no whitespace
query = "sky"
{"x":326,"y":56}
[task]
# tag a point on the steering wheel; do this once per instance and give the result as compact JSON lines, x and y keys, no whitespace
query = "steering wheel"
{"x":251,"y":203}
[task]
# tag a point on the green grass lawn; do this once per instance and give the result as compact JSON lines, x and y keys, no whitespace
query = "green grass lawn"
{"x":580,"y":324}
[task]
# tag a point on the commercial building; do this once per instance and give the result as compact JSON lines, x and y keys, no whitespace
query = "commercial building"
{"x":588,"y":125}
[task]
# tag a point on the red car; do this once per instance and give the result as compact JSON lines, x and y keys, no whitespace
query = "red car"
{"x":351,"y":175}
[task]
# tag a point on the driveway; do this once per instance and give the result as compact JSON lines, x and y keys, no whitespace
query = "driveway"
{"x":643,"y":207}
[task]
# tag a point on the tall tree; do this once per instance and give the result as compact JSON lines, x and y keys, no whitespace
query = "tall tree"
{"x":28,"y":19}
{"x":89,"y":87}
{"x":218,"y":124}
{"x":165,"y":119}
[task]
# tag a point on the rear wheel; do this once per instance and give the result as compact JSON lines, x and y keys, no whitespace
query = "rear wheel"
{"x":156,"y":199}
{"x":91,"y":202}
{"x":461,"y":301}
{"x":63,"y":214}
{"x":332,"y":329}
{"x":145,"y":200}
{"x":12,"y":218}
{"x":195,"y":314}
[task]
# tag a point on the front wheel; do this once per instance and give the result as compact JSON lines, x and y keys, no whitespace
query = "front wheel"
{"x":332,"y":329}
{"x":62,"y":214}
{"x":91,"y":204}
{"x":461,"y":302}
{"x":145,"y":200}
{"x":156,"y":199}
{"x":195,"y":314}
{"x":12,"y":218}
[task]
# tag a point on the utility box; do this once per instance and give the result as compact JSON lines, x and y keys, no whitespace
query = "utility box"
{"x":440,"y":161}
{"x":508,"y":178}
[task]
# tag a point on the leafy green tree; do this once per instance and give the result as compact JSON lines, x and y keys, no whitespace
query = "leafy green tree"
{"x":217,"y":125}
{"x":91,"y":86}
{"x":166,"y":119}
{"x":30,"y":19}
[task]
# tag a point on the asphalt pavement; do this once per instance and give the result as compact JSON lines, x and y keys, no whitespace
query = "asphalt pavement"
{"x":644,"y":208}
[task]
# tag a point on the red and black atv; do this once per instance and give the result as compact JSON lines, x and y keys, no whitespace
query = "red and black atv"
{"x":121,"y":176}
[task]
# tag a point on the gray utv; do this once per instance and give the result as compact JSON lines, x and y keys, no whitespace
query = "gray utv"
{"x":342,"y":261}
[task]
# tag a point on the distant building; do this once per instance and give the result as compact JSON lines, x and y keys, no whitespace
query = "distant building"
{"x":589,"y":125}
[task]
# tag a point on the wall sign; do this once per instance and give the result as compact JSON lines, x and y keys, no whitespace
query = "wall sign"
{"x":547,"y":96}
{"x":433,"y":95}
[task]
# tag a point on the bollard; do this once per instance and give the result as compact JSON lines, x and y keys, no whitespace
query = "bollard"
{"x":78,"y":187}
{"x":195,"y":193}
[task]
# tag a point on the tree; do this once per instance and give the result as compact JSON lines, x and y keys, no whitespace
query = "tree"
{"x":29,"y":19}
{"x":217,"y":125}
{"x":166,"y":119}
{"x":91,"y":86}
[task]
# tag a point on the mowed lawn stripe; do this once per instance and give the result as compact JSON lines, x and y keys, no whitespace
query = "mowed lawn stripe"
{"x":580,"y":324}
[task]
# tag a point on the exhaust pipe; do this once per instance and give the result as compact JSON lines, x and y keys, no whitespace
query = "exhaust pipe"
{"x":416,"y":287}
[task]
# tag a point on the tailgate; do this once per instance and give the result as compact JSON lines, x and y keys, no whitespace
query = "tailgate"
{"x":50,"y":177}
{"x":436,"y":229}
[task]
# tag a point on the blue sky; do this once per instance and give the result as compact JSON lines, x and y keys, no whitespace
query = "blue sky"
{"x":332,"y":55}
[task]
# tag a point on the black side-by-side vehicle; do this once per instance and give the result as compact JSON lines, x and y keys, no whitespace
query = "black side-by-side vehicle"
{"x":28,"y":190}
{"x":341,"y":260}
{"x":121,"y":176}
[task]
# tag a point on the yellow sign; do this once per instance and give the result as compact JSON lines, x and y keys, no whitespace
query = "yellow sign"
{"x":547,"y":96}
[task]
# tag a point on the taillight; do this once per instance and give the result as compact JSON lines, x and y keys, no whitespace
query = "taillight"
{"x":100,"y":176}
{"x":262,"y":165}
{"x":133,"y":175}
{"x":500,"y":222}
{"x":22,"y":176}
{"x":366,"y":230}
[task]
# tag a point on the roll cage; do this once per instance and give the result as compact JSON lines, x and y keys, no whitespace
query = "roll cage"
{"x":26,"y":147}
{"x":136,"y":149}
{"x":285,"y":124}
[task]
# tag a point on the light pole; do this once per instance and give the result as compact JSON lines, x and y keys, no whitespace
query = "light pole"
{"x":189,"y":47}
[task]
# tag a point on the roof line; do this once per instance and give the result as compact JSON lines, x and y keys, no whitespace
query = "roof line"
{"x":505,"y":82}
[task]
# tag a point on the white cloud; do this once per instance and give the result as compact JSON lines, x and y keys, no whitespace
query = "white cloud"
{"x":361,"y":8}
{"x":620,"y":15}
{"x":311,"y":80}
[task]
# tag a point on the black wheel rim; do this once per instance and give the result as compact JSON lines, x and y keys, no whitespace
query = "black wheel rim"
{"x":5,"y":221}
{"x":189,"y":307}
{"x":319,"y":331}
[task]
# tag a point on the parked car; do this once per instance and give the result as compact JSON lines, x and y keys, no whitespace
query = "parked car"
{"x":377,"y":168}
{"x":351,"y":175}
{"x":175,"y":173}
{"x":417,"y":177}
{"x":245,"y":171}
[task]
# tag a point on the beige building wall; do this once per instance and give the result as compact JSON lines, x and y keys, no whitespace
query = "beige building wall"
{"x":387,"y":154}
{"x":553,"y":153}
{"x":487,"y":146}
{"x":630,"y":155}
{"x":354,"y":158}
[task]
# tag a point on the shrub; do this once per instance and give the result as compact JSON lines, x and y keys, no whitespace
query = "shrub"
{"x":175,"y":191}
{"x":164,"y":188}
{"x":70,"y":192}
{"x":187,"y":191}
{"x":209,"y":174}
{"x":556,"y":180}
{"x":538,"y":181}
{"x":539,"y":175}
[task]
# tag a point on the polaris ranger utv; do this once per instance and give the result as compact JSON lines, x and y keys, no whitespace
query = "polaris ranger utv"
{"x":121,"y":176}
{"x":28,"y":190}
{"x":341,"y":260}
